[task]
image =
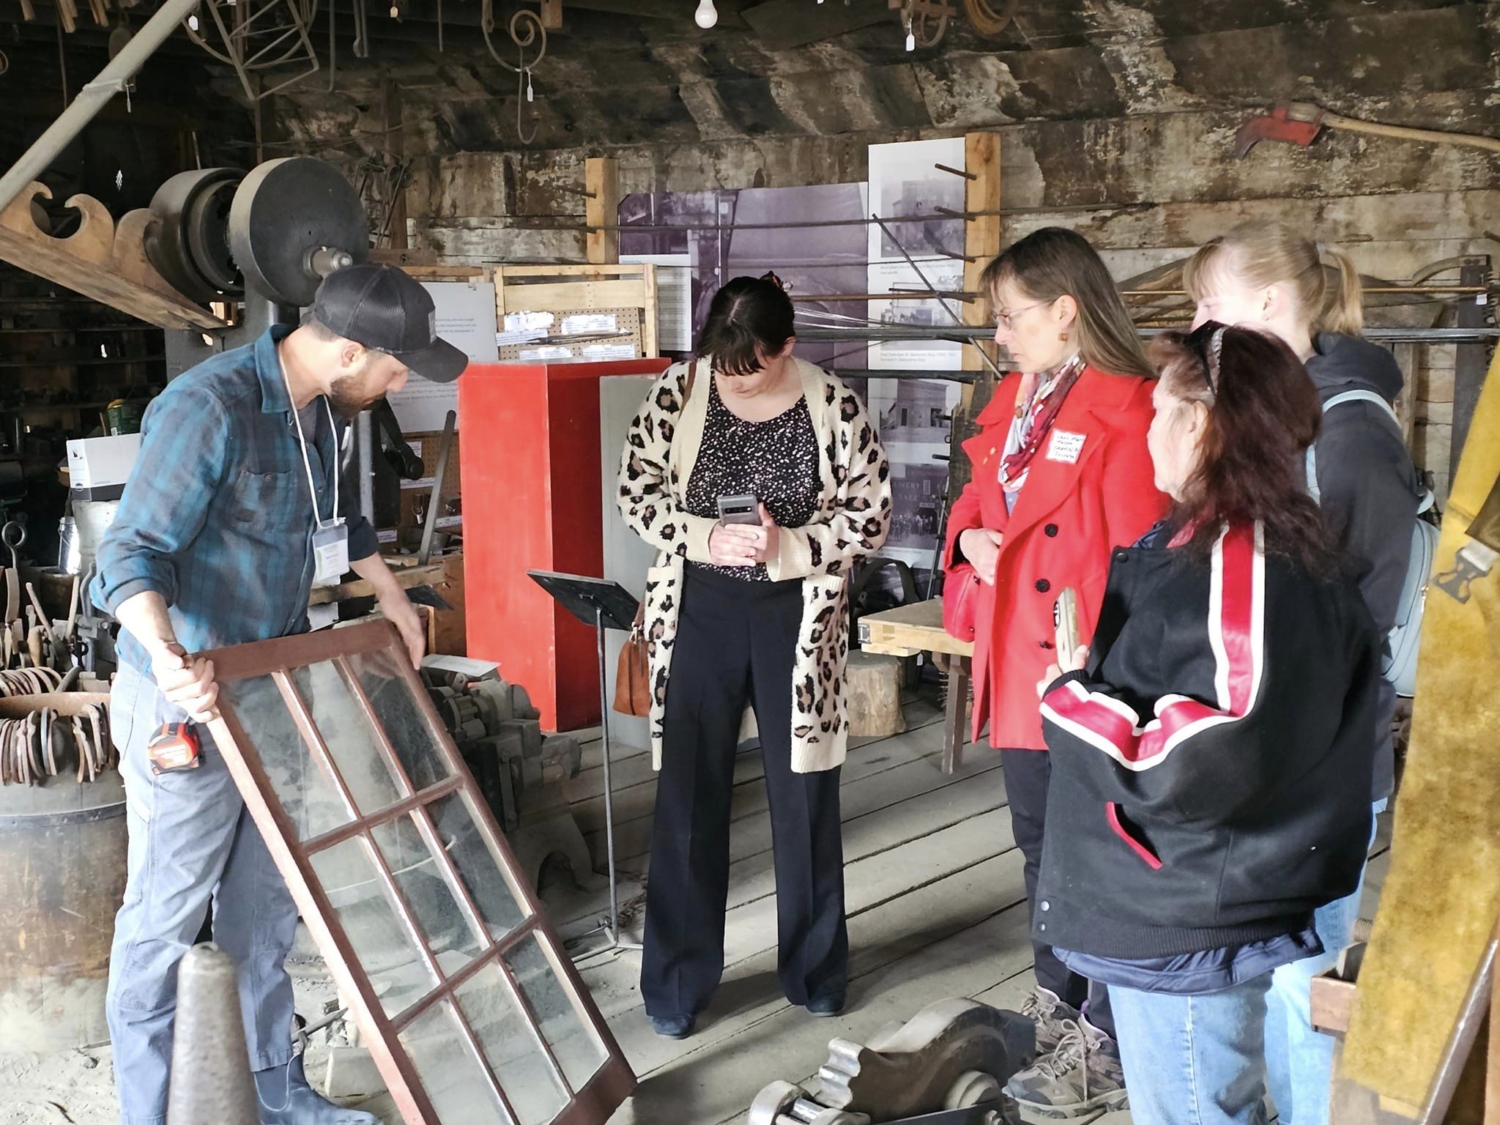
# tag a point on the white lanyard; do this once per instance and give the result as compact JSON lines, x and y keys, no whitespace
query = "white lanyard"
{"x":306,"y":461}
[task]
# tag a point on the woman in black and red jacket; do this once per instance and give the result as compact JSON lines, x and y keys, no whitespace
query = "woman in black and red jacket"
{"x":1200,"y":809}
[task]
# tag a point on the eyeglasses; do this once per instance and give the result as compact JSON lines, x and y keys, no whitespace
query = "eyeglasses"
{"x":1006,"y":318}
{"x":1207,"y":340}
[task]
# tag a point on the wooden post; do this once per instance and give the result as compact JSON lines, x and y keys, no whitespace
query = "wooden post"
{"x":981,"y":232}
{"x":602,"y":180}
{"x":981,"y":243}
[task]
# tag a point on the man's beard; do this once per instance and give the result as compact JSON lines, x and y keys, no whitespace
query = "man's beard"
{"x":350,"y":395}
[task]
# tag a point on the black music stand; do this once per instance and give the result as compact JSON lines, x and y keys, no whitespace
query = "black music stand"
{"x":604,"y":605}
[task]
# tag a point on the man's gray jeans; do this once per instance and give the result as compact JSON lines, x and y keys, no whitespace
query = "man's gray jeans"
{"x":192,"y":845}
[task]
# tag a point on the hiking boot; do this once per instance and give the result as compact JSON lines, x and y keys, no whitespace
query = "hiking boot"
{"x":1052,"y":1017}
{"x":1081,"y":1078}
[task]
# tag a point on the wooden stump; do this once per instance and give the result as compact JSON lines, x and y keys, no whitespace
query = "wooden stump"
{"x":874,"y":687}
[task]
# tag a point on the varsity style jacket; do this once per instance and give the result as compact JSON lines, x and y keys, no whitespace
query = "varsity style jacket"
{"x":1204,"y":766}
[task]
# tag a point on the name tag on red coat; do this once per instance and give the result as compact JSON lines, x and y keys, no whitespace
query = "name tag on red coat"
{"x":1065,"y":447}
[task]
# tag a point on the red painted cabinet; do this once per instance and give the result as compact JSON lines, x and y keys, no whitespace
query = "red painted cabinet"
{"x":530,"y":465}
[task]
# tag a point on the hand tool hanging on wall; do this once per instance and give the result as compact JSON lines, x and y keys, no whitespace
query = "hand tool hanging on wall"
{"x":1299,"y":123}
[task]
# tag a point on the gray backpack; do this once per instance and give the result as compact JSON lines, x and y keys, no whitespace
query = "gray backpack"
{"x":1400,"y":662}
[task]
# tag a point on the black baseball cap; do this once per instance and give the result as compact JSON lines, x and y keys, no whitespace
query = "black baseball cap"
{"x":383,"y":307}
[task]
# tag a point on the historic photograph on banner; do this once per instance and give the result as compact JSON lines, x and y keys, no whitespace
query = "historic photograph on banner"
{"x":924,"y":312}
{"x":725,"y":234}
{"x":917,"y":494}
{"x":905,"y":182}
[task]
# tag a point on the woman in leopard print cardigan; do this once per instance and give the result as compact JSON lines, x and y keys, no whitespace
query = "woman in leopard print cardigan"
{"x":775,"y":620}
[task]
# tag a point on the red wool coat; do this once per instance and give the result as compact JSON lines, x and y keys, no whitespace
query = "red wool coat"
{"x":1090,"y":490}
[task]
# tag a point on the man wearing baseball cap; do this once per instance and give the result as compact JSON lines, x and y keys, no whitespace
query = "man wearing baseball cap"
{"x":233,"y":512}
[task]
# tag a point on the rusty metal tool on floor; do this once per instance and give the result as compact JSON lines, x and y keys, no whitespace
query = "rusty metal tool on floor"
{"x":947,"y":1065}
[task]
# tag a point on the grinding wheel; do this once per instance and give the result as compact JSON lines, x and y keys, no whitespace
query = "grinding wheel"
{"x":187,"y":239}
{"x":283,"y":212}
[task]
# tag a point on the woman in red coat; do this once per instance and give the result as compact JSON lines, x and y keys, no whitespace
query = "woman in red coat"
{"x":1061,"y":476}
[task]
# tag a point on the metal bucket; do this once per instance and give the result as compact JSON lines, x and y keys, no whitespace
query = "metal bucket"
{"x":62,"y":877}
{"x":69,"y":549}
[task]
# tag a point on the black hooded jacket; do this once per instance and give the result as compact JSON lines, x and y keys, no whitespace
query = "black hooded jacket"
{"x":1369,"y":493}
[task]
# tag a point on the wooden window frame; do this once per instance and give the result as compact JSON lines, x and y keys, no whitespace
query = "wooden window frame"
{"x":612,"y":1082}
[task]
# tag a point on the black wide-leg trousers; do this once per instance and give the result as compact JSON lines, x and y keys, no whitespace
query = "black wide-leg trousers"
{"x":736,"y":644}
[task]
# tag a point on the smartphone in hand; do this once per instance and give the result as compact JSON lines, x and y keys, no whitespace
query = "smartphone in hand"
{"x":739,"y":509}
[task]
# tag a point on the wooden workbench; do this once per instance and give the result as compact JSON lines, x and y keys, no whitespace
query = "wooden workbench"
{"x":912,"y":629}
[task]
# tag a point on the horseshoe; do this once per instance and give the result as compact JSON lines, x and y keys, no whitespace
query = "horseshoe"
{"x":47,"y":745}
{"x":101,"y":749}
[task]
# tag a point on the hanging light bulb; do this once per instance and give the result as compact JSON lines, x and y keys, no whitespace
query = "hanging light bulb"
{"x":706,"y":15}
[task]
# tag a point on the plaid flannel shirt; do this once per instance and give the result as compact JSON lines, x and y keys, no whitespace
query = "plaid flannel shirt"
{"x":217,"y":517}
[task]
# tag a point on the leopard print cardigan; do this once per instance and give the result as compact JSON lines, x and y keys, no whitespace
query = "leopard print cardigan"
{"x":850,"y":523}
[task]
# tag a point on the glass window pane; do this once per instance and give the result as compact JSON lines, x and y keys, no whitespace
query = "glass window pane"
{"x":578,"y":1051}
{"x":383,"y":945}
{"x":307,"y":794}
{"x":452,"y":1075}
{"x":405,"y":724}
{"x":431,"y":901}
{"x":510,"y":1047}
{"x":479,"y":868}
{"x":351,"y":741}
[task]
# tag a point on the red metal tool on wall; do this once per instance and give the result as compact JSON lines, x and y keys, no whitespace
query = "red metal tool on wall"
{"x":1299,"y":123}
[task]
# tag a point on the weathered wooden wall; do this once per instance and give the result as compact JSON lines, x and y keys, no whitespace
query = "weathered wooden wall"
{"x":1117,"y":118}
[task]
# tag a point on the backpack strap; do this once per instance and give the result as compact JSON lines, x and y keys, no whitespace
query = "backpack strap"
{"x":1358,"y":395}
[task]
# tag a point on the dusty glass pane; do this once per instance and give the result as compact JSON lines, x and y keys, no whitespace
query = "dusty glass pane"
{"x":383,"y":945}
{"x":451,"y":1073}
{"x":350,"y":739}
{"x":527,"y":1077}
{"x":307,"y":794}
{"x":399,"y":714}
{"x":478,"y":867}
{"x":428,"y":896}
{"x":578,"y":1051}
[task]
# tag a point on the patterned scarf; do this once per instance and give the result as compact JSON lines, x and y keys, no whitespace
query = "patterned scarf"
{"x":1037,"y":419}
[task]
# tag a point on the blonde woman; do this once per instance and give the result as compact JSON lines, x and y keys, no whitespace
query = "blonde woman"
{"x":1269,"y":277}
{"x":749,"y":614}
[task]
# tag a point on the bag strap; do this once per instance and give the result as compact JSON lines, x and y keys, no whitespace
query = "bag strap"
{"x":1357,"y":395}
{"x":687,"y":387}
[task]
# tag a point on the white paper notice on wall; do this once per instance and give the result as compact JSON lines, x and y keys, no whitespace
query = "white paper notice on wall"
{"x":466,"y":319}
{"x":580,"y":324}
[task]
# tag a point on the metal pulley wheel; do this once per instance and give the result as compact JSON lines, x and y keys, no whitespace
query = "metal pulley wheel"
{"x":187,"y":239}
{"x":293,"y":221}
{"x":972,"y":1088}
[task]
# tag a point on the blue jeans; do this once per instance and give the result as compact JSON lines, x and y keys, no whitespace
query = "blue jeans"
{"x":191,"y":844}
{"x":1194,"y":1060}
{"x":1299,"y":1060}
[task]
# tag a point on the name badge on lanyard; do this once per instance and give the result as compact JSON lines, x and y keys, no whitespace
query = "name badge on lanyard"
{"x":330,"y":544}
{"x":330,"y":538}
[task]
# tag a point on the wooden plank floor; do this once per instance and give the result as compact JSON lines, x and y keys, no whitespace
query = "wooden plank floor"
{"x":936,"y":906}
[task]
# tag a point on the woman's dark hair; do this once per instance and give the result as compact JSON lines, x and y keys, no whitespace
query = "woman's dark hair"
{"x":747,"y":314}
{"x":1263,"y":413}
{"x":1053,"y":262}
